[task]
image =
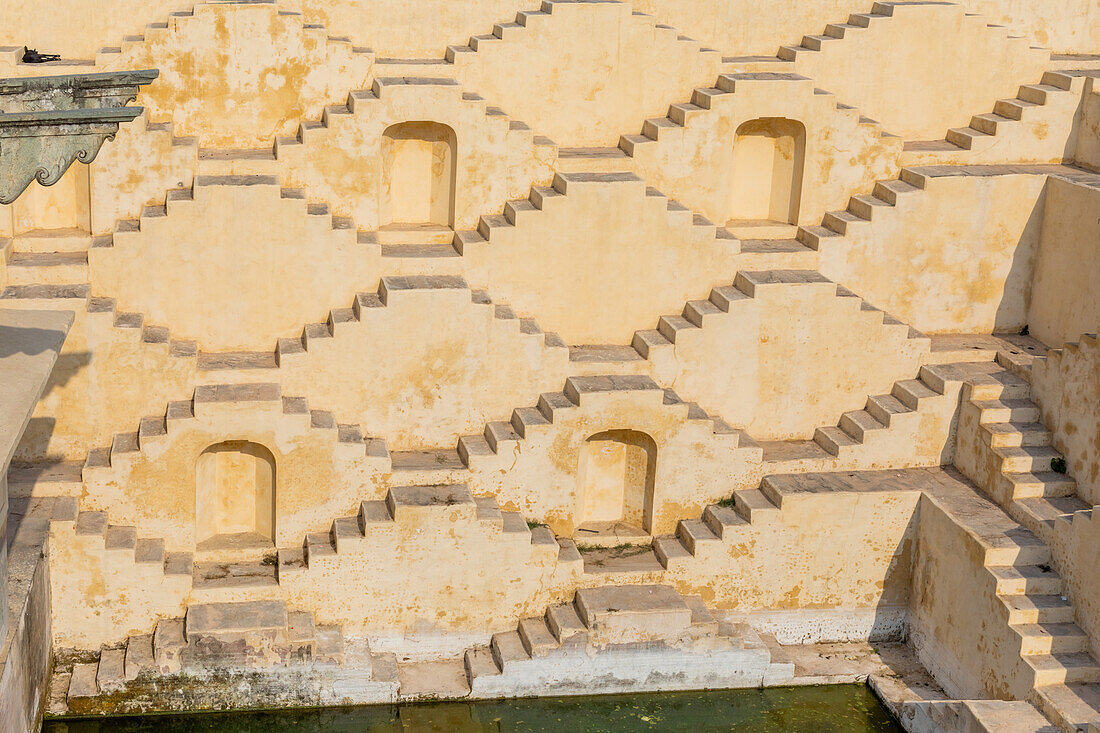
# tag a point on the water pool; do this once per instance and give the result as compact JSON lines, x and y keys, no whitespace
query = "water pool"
{"x":825,"y":709}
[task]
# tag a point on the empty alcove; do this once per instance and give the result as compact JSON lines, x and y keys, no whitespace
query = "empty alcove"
{"x":418,"y":175}
{"x":235,"y":496}
{"x":63,"y":208}
{"x":615,"y":483}
{"x":768,"y":159}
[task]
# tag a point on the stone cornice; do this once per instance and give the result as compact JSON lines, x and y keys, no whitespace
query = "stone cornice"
{"x":48,"y":122}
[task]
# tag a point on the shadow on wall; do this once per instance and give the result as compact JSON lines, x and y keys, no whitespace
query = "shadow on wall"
{"x":1011,"y":315}
{"x":891,"y":622}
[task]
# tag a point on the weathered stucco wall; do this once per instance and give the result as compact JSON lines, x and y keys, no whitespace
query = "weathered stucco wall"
{"x":1066,"y":385}
{"x":830,"y":550}
{"x":792,"y":357}
{"x":154,"y":481}
{"x":1074,"y":545}
{"x":1067,"y":265}
{"x":622,"y":69}
{"x":701,"y":164}
{"x":342,"y":163}
{"x":743,"y":27}
{"x":696,"y":461}
{"x":884,"y":69}
{"x":734,"y":27}
{"x":234,"y":282}
{"x":602,"y":242}
{"x":970,"y":240}
{"x":957,"y":624}
{"x":1088,"y":140}
{"x":459,"y":367}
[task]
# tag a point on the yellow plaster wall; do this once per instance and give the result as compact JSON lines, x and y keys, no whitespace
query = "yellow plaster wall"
{"x":136,"y":170}
{"x":1066,"y":385}
{"x":236,"y":74}
{"x":1074,"y":546}
{"x":884,"y":70}
{"x":958,"y":626}
{"x":832,"y":550}
{"x":424,"y":29}
{"x":790,"y":359}
{"x":744,"y":27}
{"x":343,"y":163}
{"x":426,"y":369}
{"x":100,"y":596}
{"x":106,"y":379}
{"x":955,"y":258}
{"x":430,"y":569}
{"x":696,"y":164}
{"x":318,"y":477}
{"x":229,"y":281}
{"x":1088,"y":141}
{"x":695,"y":465}
{"x":593,"y":85}
{"x":1067,"y":266}
{"x":593,"y":265}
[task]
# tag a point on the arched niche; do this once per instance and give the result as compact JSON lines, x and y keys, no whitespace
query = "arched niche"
{"x":769,"y":157}
{"x":615,"y":481}
{"x":235,"y":495}
{"x":418,"y":175}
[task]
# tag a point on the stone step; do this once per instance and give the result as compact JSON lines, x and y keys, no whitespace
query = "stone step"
{"x":1073,"y":707}
{"x":1051,"y":638}
{"x":139,"y":655}
{"x":1015,"y":434}
{"x":1026,"y":580}
{"x":231,"y":621}
{"x":1040,"y":483}
{"x":83,"y":680}
{"x":47,"y":268}
{"x":635,"y":613}
{"x":564,"y":621}
{"x":1008,"y":410}
{"x":1072,"y":668}
{"x":1034,"y":609}
{"x":1026,"y":459}
{"x":110,"y":674}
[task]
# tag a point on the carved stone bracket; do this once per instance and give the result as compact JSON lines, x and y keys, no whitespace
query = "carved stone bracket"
{"x":48,"y":122}
{"x":42,"y":145}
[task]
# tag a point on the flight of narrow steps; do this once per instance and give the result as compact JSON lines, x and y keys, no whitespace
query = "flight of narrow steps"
{"x":347,"y":530}
{"x":600,"y":618}
{"x":1050,"y":105}
{"x":1008,"y":437}
{"x":155,"y":429}
{"x":245,"y":635}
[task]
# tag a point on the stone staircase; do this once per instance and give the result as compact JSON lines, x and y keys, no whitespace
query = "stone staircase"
{"x":430,"y":467}
{"x":1037,"y":126}
{"x":543,"y":650}
{"x":78,"y":297}
{"x":528,"y":21}
{"x":723,"y":92}
{"x":123,"y":543}
{"x":155,"y":429}
{"x":880,"y":13}
{"x":887,"y":195}
{"x":697,"y":313}
{"x":1005,"y":449}
{"x":375,"y":514}
{"x":213,"y":636}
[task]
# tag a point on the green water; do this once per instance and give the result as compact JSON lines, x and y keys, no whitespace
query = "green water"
{"x":832,"y":709}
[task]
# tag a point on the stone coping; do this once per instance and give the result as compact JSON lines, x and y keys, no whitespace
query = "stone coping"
{"x":30,"y":342}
